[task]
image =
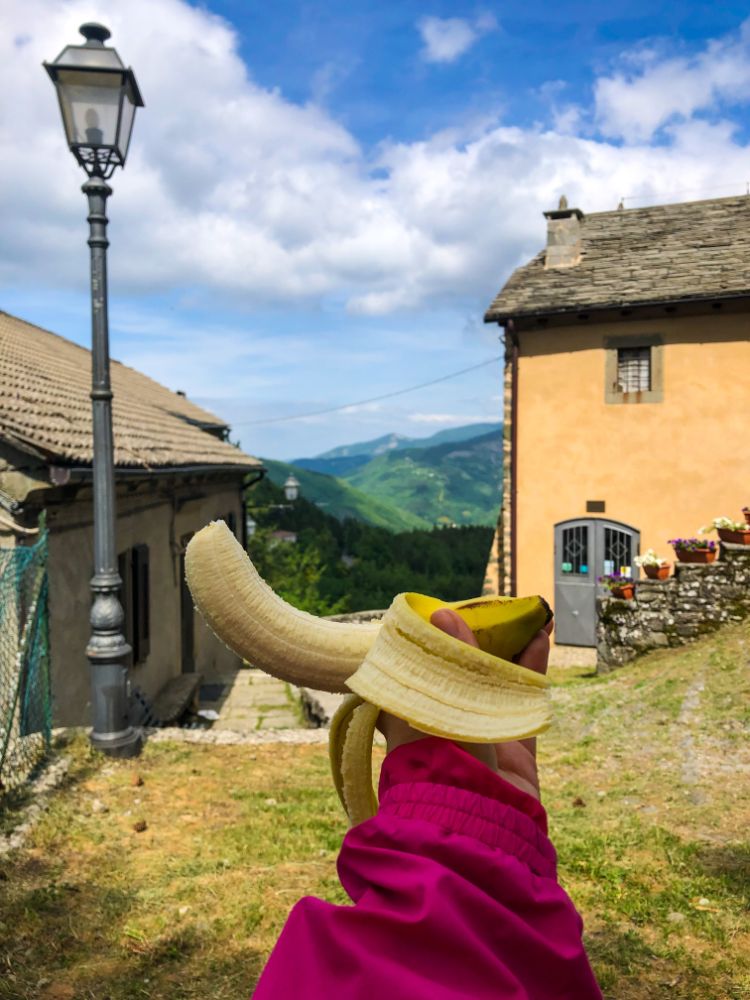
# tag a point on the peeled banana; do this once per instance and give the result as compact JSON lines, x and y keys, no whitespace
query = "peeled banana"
{"x":447,"y":688}
{"x":404,"y":665}
{"x":262,"y":628}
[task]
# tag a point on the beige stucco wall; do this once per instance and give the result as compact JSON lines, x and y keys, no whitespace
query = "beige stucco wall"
{"x":664,"y":468}
{"x":142,"y":519}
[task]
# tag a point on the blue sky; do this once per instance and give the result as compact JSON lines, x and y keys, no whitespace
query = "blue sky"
{"x":322,"y":199}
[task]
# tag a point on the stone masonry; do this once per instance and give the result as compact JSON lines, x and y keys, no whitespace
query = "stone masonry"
{"x":696,"y":600}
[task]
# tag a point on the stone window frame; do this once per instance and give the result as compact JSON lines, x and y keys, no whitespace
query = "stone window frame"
{"x":653,"y":395}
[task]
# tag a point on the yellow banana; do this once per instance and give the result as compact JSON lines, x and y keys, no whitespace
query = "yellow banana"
{"x":259,"y":626}
{"x":404,"y":665}
{"x":360,"y":801}
{"x":447,"y":688}
{"x":340,"y":722}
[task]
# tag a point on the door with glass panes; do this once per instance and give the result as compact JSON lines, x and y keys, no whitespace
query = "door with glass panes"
{"x":585,"y":549}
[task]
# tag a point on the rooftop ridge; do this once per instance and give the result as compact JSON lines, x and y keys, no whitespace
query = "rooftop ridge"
{"x":667,"y":205}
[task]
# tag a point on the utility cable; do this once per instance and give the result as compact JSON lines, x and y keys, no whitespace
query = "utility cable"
{"x":363,"y":402}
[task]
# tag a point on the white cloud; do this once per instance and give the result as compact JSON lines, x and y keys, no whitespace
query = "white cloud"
{"x":447,"y":38}
{"x":238,"y":194}
{"x":649,"y":92}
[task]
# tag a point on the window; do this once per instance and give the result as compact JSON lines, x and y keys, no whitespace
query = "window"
{"x":618,"y":552}
{"x":133,"y":567}
{"x":575,"y":550}
{"x":634,"y":367}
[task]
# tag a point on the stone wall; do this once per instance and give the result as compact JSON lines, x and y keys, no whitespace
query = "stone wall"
{"x":693,"y":602}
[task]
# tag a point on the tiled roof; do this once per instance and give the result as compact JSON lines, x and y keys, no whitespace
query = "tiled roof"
{"x":45,"y":382}
{"x":665,"y":253}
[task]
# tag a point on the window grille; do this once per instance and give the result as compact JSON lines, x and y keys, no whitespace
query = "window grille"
{"x":618,"y":552}
{"x":575,"y":547}
{"x":633,"y":369}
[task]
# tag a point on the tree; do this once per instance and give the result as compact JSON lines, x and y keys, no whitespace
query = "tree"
{"x":293,"y":571}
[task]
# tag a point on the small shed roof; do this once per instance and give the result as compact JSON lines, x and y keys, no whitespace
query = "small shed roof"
{"x":665,"y":253}
{"x":45,"y":408}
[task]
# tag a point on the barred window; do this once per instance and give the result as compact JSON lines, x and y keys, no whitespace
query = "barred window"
{"x":575,"y":549}
{"x":633,"y":369}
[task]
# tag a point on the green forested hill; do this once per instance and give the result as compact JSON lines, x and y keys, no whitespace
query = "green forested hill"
{"x":347,"y":565}
{"x":457,"y":482}
{"x":342,"y":500}
{"x":345,"y":459}
{"x":453,"y":479}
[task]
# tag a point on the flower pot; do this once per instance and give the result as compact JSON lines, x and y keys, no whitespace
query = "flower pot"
{"x":657,"y":572}
{"x":696,"y":555}
{"x":738,"y":537}
{"x":624,"y":593}
{"x":746,"y":512}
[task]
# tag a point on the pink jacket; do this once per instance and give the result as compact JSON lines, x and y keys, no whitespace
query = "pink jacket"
{"x":455,"y":897}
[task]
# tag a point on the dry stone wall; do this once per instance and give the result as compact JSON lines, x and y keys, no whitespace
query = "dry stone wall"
{"x":695,"y":601}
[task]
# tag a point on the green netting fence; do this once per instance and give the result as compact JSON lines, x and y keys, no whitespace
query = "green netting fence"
{"x":25,"y":697}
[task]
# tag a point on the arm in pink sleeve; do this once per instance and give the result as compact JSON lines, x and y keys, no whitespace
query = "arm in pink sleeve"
{"x":454,"y":892}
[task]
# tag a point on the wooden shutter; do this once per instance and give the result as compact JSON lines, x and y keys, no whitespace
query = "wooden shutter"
{"x":141,"y":601}
{"x":124,"y":568}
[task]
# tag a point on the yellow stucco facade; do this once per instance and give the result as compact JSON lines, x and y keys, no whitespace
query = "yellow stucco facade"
{"x":664,"y":468}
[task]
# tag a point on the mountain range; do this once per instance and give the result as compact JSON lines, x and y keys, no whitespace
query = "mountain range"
{"x":397,"y":482}
{"x":343,"y":460}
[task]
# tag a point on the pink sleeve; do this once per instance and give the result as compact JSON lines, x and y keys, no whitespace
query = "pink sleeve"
{"x":455,"y":897}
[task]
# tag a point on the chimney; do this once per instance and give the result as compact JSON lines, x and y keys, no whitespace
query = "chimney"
{"x":563,"y":236}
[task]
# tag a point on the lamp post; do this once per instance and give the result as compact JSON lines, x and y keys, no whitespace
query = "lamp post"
{"x":98,"y":97}
{"x":291,"y":488}
{"x":291,"y":493}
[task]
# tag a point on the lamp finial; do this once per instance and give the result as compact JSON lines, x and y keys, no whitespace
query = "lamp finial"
{"x":95,"y":34}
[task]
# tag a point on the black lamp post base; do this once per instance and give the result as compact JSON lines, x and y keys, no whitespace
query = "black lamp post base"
{"x":127,"y":743}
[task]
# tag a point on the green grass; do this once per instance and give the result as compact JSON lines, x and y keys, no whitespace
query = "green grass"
{"x":656,"y":858}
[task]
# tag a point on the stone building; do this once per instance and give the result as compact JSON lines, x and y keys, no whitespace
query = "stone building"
{"x":627,"y":395}
{"x":174,"y":470}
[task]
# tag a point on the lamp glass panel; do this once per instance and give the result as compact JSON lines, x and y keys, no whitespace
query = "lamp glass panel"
{"x":90,"y":104}
{"x":126,"y":124}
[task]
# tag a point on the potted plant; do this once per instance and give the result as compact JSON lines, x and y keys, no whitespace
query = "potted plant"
{"x":619,"y":586}
{"x":746,"y":512}
{"x":653,"y":565}
{"x":729,"y":530}
{"x":694,"y":550}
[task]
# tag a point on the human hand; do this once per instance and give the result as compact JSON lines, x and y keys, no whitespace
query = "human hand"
{"x":514,"y":761}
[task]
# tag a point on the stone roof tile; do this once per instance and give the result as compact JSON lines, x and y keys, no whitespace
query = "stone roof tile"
{"x":663,"y":253}
{"x":45,"y":407}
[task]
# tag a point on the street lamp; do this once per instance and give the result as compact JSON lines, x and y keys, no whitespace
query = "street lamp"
{"x":291,"y":488}
{"x":98,"y":97}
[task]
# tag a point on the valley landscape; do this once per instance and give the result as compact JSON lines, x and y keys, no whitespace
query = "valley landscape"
{"x":380,"y":517}
{"x":450,"y":478}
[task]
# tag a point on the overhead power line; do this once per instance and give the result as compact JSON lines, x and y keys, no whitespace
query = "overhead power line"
{"x":372,"y":399}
